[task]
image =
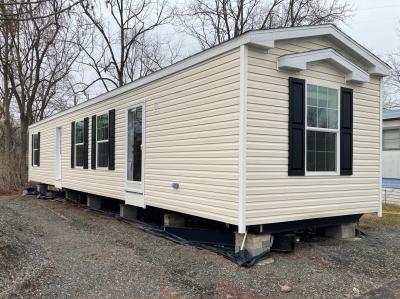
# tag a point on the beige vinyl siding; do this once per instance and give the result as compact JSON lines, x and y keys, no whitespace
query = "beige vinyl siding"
{"x":191,"y":136}
{"x":273,"y":196}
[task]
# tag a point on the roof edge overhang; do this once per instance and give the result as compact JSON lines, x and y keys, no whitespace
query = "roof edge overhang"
{"x":300,"y":61}
{"x":264,"y":39}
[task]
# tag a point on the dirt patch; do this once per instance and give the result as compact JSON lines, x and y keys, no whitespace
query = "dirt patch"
{"x":391,"y":218}
{"x":50,"y":249}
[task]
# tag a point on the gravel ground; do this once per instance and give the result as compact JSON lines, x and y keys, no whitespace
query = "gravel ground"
{"x":50,"y":249}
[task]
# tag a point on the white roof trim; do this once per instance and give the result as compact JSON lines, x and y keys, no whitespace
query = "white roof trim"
{"x":264,"y":39}
{"x":375,"y":65}
{"x":299,"y":62}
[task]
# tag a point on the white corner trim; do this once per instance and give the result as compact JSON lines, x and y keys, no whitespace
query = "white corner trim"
{"x":299,"y":62}
{"x":264,"y":39}
{"x":380,"y":208}
{"x":243,"y":139}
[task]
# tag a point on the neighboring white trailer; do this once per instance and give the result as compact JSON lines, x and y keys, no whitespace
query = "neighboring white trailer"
{"x":271,"y":127}
{"x":391,"y":157}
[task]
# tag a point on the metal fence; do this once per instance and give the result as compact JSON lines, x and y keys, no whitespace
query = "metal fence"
{"x":391,"y":195}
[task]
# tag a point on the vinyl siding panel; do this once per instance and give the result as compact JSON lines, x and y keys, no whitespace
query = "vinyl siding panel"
{"x":191,"y":136}
{"x":273,"y":196}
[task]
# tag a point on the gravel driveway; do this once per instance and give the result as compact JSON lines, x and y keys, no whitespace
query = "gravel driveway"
{"x":50,"y":249}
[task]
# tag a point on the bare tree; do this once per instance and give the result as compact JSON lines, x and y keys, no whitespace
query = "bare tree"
{"x":5,"y":95}
{"x":212,"y":22}
{"x":121,"y":31}
{"x":391,"y":95}
{"x":40,"y":57}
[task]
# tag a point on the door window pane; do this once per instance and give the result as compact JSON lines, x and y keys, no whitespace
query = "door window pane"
{"x":134,"y":167}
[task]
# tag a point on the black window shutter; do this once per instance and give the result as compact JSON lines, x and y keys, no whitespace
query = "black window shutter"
{"x":32,"y":149}
{"x":73,"y":144}
{"x":85,"y":142}
{"x":93,"y":156}
{"x":346,"y":131}
{"x":296,"y":127}
{"x":111,"y":139}
{"x":38,"y":140}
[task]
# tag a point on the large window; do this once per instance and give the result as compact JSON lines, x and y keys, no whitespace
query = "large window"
{"x":102,"y":140}
{"x":391,"y":139}
{"x":322,"y":129}
{"x":35,"y":149}
{"x":79,"y":143}
{"x":134,"y":163}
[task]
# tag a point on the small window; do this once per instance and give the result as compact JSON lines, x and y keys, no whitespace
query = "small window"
{"x":391,"y":139}
{"x":322,"y":129}
{"x":35,"y":148}
{"x":79,"y":143}
{"x":102,"y":140}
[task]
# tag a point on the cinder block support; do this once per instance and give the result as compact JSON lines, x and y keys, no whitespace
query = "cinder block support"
{"x":128,"y":212}
{"x":343,"y":231}
{"x":42,"y":188}
{"x":255,"y":244}
{"x":67,"y":194}
{"x":93,"y":202}
{"x":174,"y":220}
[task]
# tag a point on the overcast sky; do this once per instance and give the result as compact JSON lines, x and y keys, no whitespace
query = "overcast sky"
{"x":376,"y":25}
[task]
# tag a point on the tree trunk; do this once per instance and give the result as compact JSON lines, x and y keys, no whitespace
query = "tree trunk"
{"x":8,"y":169}
{"x":24,"y":148}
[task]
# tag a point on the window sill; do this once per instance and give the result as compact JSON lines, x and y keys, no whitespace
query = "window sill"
{"x":322,"y":173}
{"x":101,"y":168}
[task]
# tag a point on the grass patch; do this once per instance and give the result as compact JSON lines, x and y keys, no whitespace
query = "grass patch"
{"x":391,"y":218}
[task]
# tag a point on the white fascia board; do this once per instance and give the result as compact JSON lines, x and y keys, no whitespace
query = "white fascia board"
{"x":299,"y":61}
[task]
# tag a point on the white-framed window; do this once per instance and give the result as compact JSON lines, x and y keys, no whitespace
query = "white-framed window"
{"x":79,"y":143}
{"x":35,"y":149}
{"x":391,"y":139}
{"x":102,"y":125}
{"x":322,"y":130}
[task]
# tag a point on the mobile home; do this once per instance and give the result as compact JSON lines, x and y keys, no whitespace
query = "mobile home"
{"x":391,"y":156}
{"x":273,"y":127}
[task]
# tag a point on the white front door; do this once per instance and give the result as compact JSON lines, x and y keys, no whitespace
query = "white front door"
{"x":57,"y":160}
